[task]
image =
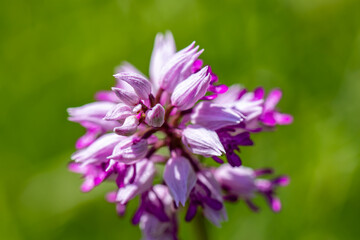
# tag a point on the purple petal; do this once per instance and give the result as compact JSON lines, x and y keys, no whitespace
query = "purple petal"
{"x":263,"y":171}
{"x":264,"y":185}
{"x":249,"y":107}
{"x":98,"y":151}
{"x":93,"y":131}
{"x":230,"y":96}
{"x":162,"y":192}
{"x":215,"y":216}
{"x":233,"y":159}
{"x":129,"y":150}
{"x":157,"y":211}
{"x":164,"y":49}
{"x":120,"y":209}
{"x":191,"y":212}
{"x":154,"y":229}
{"x":209,"y":97}
{"x":213,"y":203}
{"x":76,"y":167}
{"x":268,"y":119}
{"x":259,"y":93}
{"x":95,"y":109}
{"x":251,"y":205}
{"x":197,"y":65}
{"x":93,"y":174}
{"x":202,"y":141}
{"x":140,"y":84}
{"x":107,"y":96}
{"x":180,"y":178}
{"x":137,"y":216}
{"x":239,"y":181}
{"x":129,"y":127}
{"x":171,"y":72}
{"x":272,"y":99}
{"x":243,"y":139}
{"x":120,"y":179}
{"x":275,"y":204}
{"x":186,"y":71}
{"x":281,"y":181}
{"x":128,"y":97}
{"x":118,"y":112}
{"x":217,"y":159}
{"x":188,"y":92}
{"x":214,"y":116}
{"x":145,"y":172}
{"x":219,"y":88}
{"x":111,"y":197}
{"x":92,"y":114}
{"x":214,"y":77}
{"x":231,"y":198}
{"x":87,"y":185}
{"x":283,"y":119}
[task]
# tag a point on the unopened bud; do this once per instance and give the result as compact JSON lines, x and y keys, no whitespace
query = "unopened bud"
{"x":155,"y":116}
{"x":129,"y":127}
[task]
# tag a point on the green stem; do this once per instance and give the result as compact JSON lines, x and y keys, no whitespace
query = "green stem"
{"x":200,"y":228}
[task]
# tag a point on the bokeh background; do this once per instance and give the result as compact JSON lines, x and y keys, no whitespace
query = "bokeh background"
{"x":57,"y":54}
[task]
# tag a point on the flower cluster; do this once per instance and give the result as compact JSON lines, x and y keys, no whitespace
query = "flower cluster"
{"x":183,"y":111}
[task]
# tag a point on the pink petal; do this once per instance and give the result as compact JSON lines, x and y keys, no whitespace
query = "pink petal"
{"x":283,"y":119}
{"x":275,"y":204}
{"x":107,"y":96}
{"x":272,"y":99}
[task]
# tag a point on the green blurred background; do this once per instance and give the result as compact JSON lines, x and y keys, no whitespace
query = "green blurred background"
{"x":57,"y":54}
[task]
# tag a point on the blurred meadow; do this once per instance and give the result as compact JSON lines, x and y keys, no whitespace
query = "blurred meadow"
{"x":57,"y":54}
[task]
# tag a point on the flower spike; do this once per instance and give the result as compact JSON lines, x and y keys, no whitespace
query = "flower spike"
{"x":149,"y":137}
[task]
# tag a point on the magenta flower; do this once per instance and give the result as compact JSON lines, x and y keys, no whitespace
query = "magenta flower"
{"x":243,"y":183}
{"x":183,"y":112}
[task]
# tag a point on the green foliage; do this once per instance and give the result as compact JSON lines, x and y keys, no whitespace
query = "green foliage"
{"x":57,"y":54}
